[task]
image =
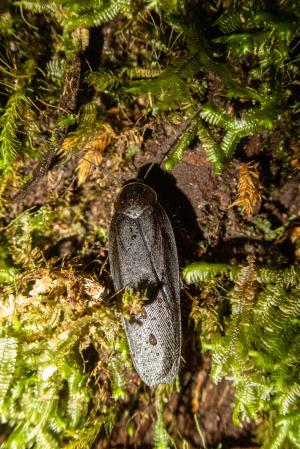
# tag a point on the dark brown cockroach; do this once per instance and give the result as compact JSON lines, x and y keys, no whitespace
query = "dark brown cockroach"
{"x":143,"y":256}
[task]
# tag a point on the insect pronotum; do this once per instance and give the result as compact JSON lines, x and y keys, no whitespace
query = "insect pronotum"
{"x":143,"y":256}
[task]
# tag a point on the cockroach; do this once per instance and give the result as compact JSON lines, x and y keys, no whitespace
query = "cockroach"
{"x":143,"y":257}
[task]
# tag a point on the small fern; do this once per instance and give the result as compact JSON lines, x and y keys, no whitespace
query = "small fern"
{"x":103,"y":80}
{"x":9,"y":122}
{"x":266,"y":34}
{"x":197,"y":272}
{"x":177,"y":153}
{"x":8,"y":357}
{"x":71,"y":15}
{"x":212,"y":148}
{"x":290,"y":399}
{"x":237,"y":128}
{"x":230,"y":21}
{"x":215,"y":116}
{"x":259,"y":349}
{"x":102,"y":14}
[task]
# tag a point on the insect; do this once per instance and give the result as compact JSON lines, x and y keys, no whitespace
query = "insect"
{"x":143,"y":256}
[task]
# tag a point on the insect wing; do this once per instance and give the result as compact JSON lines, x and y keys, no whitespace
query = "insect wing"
{"x":143,"y":256}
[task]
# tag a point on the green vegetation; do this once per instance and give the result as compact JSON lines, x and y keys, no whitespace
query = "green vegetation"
{"x":82,"y":85}
{"x":255,"y":344}
{"x":49,"y":317}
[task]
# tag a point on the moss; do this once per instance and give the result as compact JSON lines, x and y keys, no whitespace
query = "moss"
{"x":68,"y":104}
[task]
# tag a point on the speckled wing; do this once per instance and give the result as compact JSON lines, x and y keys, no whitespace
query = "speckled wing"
{"x":143,"y":255}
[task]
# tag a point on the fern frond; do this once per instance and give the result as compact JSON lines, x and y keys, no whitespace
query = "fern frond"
{"x":254,"y":121}
{"x":266,"y":34}
{"x":242,"y":297}
{"x":213,"y":151}
{"x":88,"y":114}
{"x":177,"y":154}
{"x":49,"y":371}
{"x":236,"y":128}
{"x":47,"y":392}
{"x":103,"y":79}
{"x":241,"y":15}
{"x":280,"y":436}
{"x":229,"y":143}
{"x":230,"y":21}
{"x":276,"y":304}
{"x":55,"y":69}
{"x":10,"y":120}
{"x":36,"y":7}
{"x":290,"y":398}
{"x":216,"y":117}
{"x":243,"y":290}
{"x":140,"y":72}
{"x":120,"y":362}
{"x":54,"y":9}
{"x":8,"y":358}
{"x":251,"y":394}
{"x":168,"y":88}
{"x":289,"y":277}
{"x":199,"y":271}
{"x":184,"y":67}
{"x":219,"y":347}
{"x":102,"y":15}
{"x":28,"y":225}
{"x":78,"y":400}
